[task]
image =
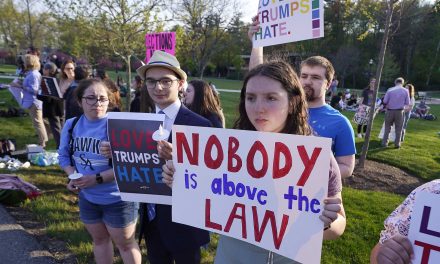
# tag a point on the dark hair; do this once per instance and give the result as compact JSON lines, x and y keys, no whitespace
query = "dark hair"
{"x":34,"y":51}
{"x":323,"y":62}
{"x":82,"y":72}
{"x":51,"y":67}
{"x":63,"y":66}
{"x":86,"y":83}
{"x":100,"y":73}
{"x":146,"y":103}
{"x":116,"y":102}
{"x":205,"y":101}
{"x":281,"y":71}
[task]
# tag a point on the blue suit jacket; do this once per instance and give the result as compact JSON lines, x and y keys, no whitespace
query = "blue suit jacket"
{"x":174,"y":235}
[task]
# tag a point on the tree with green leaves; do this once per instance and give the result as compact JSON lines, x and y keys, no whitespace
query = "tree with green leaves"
{"x":205,"y":22}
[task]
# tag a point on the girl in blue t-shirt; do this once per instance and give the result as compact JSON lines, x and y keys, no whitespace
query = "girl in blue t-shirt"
{"x":105,"y":216}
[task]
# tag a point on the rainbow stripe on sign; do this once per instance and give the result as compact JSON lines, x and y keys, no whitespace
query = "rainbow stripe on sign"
{"x":316,"y":31}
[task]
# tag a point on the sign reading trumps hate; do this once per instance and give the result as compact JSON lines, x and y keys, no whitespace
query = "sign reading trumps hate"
{"x":284,"y":21}
{"x":136,"y":163}
{"x":263,"y":188}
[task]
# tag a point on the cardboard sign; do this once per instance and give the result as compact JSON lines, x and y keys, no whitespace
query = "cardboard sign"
{"x":164,"y":41}
{"x":263,"y":188}
{"x":50,"y":87}
{"x":284,"y":21}
{"x":136,"y":163}
{"x":424,"y":232}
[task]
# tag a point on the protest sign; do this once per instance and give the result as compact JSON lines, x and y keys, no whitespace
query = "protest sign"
{"x":164,"y":41}
{"x":49,"y":87}
{"x":136,"y":164}
{"x":263,"y":188}
{"x":424,"y":231}
{"x":284,"y":21}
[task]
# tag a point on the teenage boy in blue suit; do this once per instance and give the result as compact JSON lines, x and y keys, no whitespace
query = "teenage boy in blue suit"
{"x":167,"y":241}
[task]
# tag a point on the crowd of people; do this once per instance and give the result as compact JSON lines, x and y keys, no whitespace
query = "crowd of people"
{"x":274,"y":98}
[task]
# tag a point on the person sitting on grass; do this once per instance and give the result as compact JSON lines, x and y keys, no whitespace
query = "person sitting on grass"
{"x":422,"y":109}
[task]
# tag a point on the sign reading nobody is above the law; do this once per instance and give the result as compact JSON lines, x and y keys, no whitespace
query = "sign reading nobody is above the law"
{"x":263,"y":188}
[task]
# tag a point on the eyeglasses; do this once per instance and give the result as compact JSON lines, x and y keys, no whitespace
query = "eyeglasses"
{"x":165,"y":83}
{"x":93,"y":100}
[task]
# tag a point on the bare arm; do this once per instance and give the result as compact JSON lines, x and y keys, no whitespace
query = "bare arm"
{"x":346,"y":165}
{"x":257,"y":52}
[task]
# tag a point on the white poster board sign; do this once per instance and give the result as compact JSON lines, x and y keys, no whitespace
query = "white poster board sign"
{"x":424,"y":232}
{"x":263,"y":188}
{"x":284,"y":21}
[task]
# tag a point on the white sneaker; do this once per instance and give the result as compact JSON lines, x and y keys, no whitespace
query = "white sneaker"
{"x":359,"y":135}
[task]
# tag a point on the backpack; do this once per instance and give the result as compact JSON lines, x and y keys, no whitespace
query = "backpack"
{"x":6,"y":146}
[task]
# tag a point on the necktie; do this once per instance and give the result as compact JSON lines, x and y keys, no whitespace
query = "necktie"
{"x":151,"y":208}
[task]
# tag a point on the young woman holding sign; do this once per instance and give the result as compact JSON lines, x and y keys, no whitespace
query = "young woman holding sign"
{"x":272,"y":100}
{"x":105,"y":216}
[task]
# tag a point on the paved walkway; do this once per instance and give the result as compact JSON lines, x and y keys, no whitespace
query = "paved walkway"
{"x":17,"y":246}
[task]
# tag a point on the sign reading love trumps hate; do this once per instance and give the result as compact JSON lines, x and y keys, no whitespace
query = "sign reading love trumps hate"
{"x":136,"y":163}
{"x":284,"y":21}
{"x":164,"y":41}
{"x":263,"y":188}
{"x":424,"y":231}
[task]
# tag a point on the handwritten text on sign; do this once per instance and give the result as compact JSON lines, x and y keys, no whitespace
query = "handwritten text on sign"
{"x":136,"y":163}
{"x":263,"y":188}
{"x":424,"y":232}
{"x":164,"y":41}
{"x":284,"y":21}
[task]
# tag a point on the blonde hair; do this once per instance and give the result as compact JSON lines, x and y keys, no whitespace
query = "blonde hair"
{"x":31,"y":62}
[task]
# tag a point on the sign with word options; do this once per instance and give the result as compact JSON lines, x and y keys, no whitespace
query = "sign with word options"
{"x":164,"y":41}
{"x":284,"y":21}
{"x":136,"y":163}
{"x":424,"y":231}
{"x":263,"y":188}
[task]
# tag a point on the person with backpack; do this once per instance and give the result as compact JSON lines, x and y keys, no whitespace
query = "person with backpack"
{"x":105,"y":216}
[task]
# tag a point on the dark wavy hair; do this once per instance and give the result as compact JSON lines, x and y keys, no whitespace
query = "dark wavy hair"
{"x":205,"y":101}
{"x":281,"y":71}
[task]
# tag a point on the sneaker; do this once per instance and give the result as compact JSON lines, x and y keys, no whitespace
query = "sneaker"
{"x":359,"y":135}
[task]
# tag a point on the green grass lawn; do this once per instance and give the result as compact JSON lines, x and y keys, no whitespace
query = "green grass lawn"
{"x":365,"y":210}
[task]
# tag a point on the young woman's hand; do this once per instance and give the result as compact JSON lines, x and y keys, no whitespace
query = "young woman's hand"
{"x":85,"y":181}
{"x":165,"y":149}
{"x":332,"y":206}
{"x":397,"y":249}
{"x":255,"y":26}
{"x":105,"y":149}
{"x":168,"y":173}
{"x":71,"y":187}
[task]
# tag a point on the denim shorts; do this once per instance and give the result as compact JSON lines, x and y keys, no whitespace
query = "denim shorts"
{"x":116,"y":215}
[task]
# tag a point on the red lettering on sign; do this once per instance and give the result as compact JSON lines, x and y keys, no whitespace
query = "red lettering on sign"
{"x":193,"y":157}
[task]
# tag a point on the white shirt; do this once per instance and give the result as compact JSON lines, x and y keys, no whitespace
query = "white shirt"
{"x":170,"y":114}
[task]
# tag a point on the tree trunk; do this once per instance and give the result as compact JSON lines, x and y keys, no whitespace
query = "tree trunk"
{"x":428,"y":78}
{"x":128,"y":94}
{"x":383,"y":48}
{"x":31,"y":38}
